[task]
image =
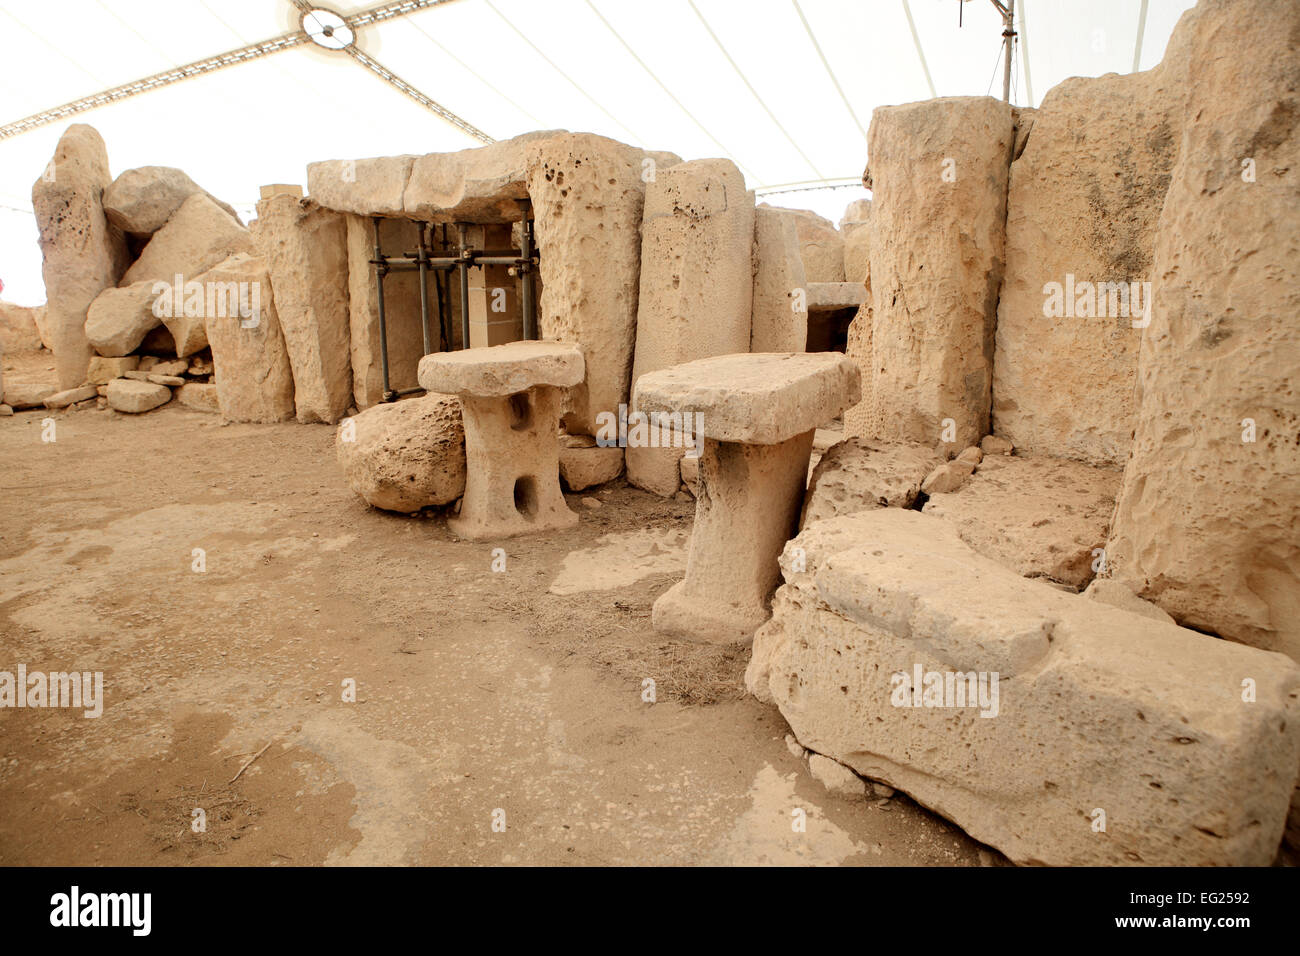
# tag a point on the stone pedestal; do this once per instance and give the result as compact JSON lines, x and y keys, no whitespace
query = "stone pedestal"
{"x":757,"y":414}
{"x":511,"y":400}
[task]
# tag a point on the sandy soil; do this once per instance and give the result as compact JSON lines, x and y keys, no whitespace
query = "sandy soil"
{"x":477,"y":691}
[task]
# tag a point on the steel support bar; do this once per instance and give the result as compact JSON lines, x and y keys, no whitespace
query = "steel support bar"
{"x":381,"y":269}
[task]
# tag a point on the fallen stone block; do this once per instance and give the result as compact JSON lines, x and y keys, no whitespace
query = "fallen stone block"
{"x":836,"y":778}
{"x":1118,"y":594}
{"x":757,"y":415}
{"x":406,"y":455}
{"x":20,"y":395}
{"x":119,"y":319}
{"x":948,"y":477}
{"x":198,"y":235}
{"x":1059,"y":730}
{"x":175,"y":381}
{"x":996,"y":445}
{"x":200,"y":396}
{"x":140,"y":201}
{"x":70,"y":396}
{"x":587,"y":467}
{"x":103,"y":369}
{"x":857,"y":474}
{"x":128,"y":395}
{"x":1040,"y":517}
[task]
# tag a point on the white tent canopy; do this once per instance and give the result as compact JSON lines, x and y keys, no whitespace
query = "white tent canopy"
{"x":783,"y":87}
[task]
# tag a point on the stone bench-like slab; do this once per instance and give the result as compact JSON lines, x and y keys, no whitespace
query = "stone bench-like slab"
{"x":1058,"y":729}
{"x":510,"y":400}
{"x":756,"y":414}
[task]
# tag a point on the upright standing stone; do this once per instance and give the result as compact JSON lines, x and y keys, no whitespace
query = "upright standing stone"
{"x":780,"y":318}
{"x":588,"y":195}
{"x":697,"y":285}
{"x":305,"y":246}
{"x":1082,"y":207}
{"x":820,"y":245}
{"x":83,"y":254}
{"x":939,"y":170}
{"x":252,"y":373}
{"x":1206,"y":522}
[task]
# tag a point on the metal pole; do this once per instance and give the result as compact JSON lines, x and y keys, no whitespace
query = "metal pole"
{"x":380,"y":271}
{"x":1009,"y":41}
{"x":423,"y":263}
{"x":526,"y":269}
{"x":462,"y":268}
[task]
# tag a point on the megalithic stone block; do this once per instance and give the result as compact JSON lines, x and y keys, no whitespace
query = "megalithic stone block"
{"x":757,"y":414}
{"x":510,"y":400}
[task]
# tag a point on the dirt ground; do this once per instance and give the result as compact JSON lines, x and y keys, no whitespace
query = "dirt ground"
{"x":480,"y":697}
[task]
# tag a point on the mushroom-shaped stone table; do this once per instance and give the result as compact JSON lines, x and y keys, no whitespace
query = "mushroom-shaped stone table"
{"x":756,"y":414}
{"x":510,"y":400}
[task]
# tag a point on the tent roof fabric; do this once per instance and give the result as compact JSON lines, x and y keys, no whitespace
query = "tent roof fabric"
{"x":785,"y":88}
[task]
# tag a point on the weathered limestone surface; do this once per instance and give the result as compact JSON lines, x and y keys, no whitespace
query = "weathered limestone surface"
{"x":858,"y":474}
{"x":405,"y":455}
{"x":83,"y":254}
{"x":696,"y":285}
{"x":503,"y":370}
{"x":757,"y":414}
{"x":71,"y":396}
{"x":401,"y":311}
{"x":103,"y":370}
{"x":119,"y":318}
{"x":306,"y":253}
{"x":586,"y":466}
{"x":830,"y":296}
{"x":200,"y":396}
{"x":778,"y":323}
{"x":588,"y":200}
{"x":253,"y":376}
{"x":366,"y":187}
{"x":473,"y":185}
{"x":18,"y":329}
{"x":199,"y":235}
{"x":1097,"y":708}
{"x":140,"y":201}
{"x":755,"y":399}
{"x":1083,"y":201}
{"x":855,"y":227}
{"x":858,"y":420}
{"x":1040,"y":517}
{"x":22,"y":395}
{"x":820,"y":246}
{"x":510,"y":403}
{"x":939,"y":168}
{"x":128,"y":395}
{"x":1206,"y":525}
